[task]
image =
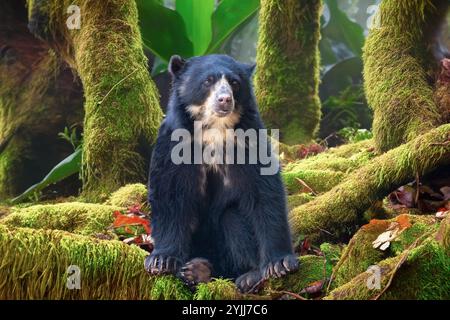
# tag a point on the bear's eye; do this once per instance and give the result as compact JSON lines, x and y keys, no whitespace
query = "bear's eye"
{"x":208,"y":81}
{"x":235,"y":85}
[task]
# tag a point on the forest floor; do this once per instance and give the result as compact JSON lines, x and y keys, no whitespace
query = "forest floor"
{"x":397,"y":249}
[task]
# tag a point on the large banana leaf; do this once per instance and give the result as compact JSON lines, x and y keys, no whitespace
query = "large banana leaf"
{"x":228,"y":16}
{"x":62,"y":170}
{"x":340,"y":29}
{"x":197,"y":19}
{"x":163,"y":30}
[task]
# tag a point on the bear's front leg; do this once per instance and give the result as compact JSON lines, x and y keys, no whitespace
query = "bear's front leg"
{"x":175,"y":195}
{"x":272,"y":230}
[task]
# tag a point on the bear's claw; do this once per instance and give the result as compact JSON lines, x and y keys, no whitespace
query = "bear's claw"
{"x":159,"y":264}
{"x":281,"y":267}
{"x":249,"y":282}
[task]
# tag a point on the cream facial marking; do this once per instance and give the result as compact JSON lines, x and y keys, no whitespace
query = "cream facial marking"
{"x":219,"y":110}
{"x":217,"y":114}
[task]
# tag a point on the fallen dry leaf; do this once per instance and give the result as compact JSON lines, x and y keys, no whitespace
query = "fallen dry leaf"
{"x":442,"y":213}
{"x":383,"y":241}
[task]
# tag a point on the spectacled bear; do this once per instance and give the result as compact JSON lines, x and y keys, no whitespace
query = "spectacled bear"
{"x":220,"y":220}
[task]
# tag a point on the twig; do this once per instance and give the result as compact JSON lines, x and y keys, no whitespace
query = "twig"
{"x":303,"y":183}
{"x":294,"y":295}
{"x":443,"y":144}
{"x":340,"y":262}
{"x":324,"y":141}
{"x":416,"y":198}
{"x":114,"y":86}
{"x":257,"y":286}
{"x":326,"y":231}
{"x":324,"y":269}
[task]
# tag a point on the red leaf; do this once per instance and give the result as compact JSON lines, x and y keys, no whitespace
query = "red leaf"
{"x":305,"y":247}
{"x":314,"y":288}
{"x":125,"y":221}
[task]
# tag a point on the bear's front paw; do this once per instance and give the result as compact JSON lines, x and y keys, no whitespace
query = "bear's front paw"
{"x":249,"y":282}
{"x":159,"y":264}
{"x":281,"y":267}
{"x":196,"y":271}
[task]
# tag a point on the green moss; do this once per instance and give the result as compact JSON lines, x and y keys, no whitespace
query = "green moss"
{"x":443,"y":234}
{"x":317,"y":180}
{"x":348,"y":150}
{"x":35,"y":262}
{"x":121,"y":101}
{"x":342,"y":208}
{"x":298,"y":199}
{"x":4,"y":211}
{"x":218,"y":289}
{"x":325,"y":170}
{"x":332,"y":252}
{"x":359,"y":255}
{"x":397,"y":65}
{"x":287,"y":77}
{"x":76,"y":217}
{"x":423,"y":275}
{"x":170,"y":288}
{"x":312,"y":268}
{"x":11,"y":159}
{"x":346,"y":158}
{"x":411,"y":234}
{"x":128,"y":195}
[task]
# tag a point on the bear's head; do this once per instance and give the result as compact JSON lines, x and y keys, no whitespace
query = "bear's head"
{"x":214,"y":89}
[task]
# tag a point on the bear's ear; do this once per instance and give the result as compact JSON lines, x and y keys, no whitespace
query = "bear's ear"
{"x":176,"y":63}
{"x":250,"y":69}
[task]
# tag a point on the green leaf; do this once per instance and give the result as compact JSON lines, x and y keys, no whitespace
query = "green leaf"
{"x":163,"y":30}
{"x":62,"y":170}
{"x":341,"y":29}
{"x":197,"y":19}
{"x":229,"y":15}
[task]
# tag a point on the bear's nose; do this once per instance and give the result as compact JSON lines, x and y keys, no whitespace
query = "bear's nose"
{"x":224,"y":100}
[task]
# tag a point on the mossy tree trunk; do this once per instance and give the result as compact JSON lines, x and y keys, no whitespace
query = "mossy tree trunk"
{"x":121,"y":101}
{"x":398,"y":69}
{"x":39,"y":96}
{"x":287,"y":76}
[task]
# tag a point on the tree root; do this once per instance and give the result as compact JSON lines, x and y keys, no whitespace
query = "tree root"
{"x":325,"y":170}
{"x":340,"y":210}
{"x":419,"y":271}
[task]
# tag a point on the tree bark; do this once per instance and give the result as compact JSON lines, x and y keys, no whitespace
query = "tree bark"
{"x":121,"y":101}
{"x":39,"y":97}
{"x":287,"y":75}
{"x":399,"y":62}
